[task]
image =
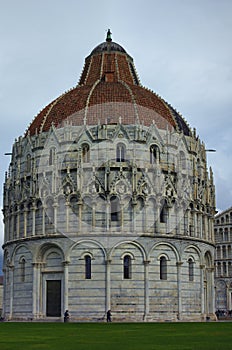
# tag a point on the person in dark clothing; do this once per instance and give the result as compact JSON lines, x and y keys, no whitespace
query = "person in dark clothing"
{"x":108,"y":316}
{"x":66,"y":316}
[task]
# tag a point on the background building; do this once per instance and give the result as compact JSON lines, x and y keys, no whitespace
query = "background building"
{"x":108,"y":204}
{"x":223,"y":260}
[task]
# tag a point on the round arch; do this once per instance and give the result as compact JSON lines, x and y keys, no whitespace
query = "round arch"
{"x":196,"y":250}
{"x":23,"y":245}
{"x":136,"y":244}
{"x":172,"y":247}
{"x":87,"y":241}
{"x":45,"y":247}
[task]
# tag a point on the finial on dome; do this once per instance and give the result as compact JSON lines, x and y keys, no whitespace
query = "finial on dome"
{"x":108,"y":36}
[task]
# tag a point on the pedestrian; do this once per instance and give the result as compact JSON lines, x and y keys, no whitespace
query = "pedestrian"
{"x":108,"y":316}
{"x":66,"y":316}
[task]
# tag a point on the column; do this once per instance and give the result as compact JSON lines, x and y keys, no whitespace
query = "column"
{"x":55,"y":206}
{"x":67,"y":217}
{"x":221,"y":269}
{"x":179,"y":288}
{"x":11,"y":279}
{"x":25,"y":222}
{"x":210,"y":284}
{"x":80,"y":216}
{"x":43,"y":219}
{"x":108,"y":285}
{"x":7,"y":236}
{"x":228,"y":298}
{"x":17,"y":214}
{"x":65,"y":288}
{"x":107,"y":214}
{"x":202,"y":267}
{"x":186,"y":223}
{"x":200,"y":218}
{"x":4,"y":270}
{"x":133,"y":216}
{"x":227,"y":269}
{"x":158,"y":220}
{"x":122,"y":215}
{"x":93,"y":215}
{"x":35,"y":291}
{"x":33,"y":220}
{"x":144,"y":216}
{"x":146,"y":289}
{"x":195,"y":228}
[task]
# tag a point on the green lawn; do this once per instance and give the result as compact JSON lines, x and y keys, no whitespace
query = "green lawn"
{"x":120,"y":336}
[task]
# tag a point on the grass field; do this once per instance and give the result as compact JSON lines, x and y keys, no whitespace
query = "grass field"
{"x":120,"y":336}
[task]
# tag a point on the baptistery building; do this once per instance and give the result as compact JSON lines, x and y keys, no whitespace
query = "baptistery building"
{"x":109,"y":204}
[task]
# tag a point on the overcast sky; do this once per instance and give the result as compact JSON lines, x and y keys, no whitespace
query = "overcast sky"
{"x":181,"y":48}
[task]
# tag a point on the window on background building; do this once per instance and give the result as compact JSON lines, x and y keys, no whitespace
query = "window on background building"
{"x":163,"y":268}
{"x":85,"y":153}
{"x":120,"y":153}
{"x":88,"y":262}
{"x":127,"y":267}
{"x":191,"y":269}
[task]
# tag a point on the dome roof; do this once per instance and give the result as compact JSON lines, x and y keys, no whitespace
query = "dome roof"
{"x":108,"y":91}
{"x":108,"y":46}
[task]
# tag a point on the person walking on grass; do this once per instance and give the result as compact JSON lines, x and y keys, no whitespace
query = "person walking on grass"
{"x":108,"y":316}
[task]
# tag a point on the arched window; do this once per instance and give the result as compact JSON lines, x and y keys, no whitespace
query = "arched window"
{"x":164,"y":213}
{"x":163,"y":268}
{"x":154,"y":154}
{"x":191,"y":269}
{"x":120,"y":153}
{"x":127,"y":267}
{"x":88,"y":267}
{"x":85,"y":153}
{"x":52,"y":154}
{"x":22,"y":269}
{"x":115,"y":209}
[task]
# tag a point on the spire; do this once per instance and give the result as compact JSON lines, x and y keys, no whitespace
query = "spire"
{"x":108,"y":36}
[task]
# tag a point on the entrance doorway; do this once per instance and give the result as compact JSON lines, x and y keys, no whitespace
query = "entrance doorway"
{"x":53,"y":303}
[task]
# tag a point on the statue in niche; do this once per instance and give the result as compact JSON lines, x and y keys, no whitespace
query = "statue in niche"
{"x":67,"y":189}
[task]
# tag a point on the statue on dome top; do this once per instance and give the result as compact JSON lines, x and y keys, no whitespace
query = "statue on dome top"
{"x":108,"y":36}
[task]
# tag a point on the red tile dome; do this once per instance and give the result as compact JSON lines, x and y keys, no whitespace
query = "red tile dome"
{"x":108,"y":90}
